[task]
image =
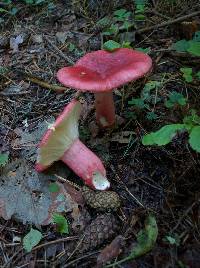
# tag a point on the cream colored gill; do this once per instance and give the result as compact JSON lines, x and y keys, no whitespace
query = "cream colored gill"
{"x":61,"y":138}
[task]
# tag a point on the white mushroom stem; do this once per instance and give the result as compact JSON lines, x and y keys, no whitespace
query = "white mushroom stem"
{"x":86,"y":165}
{"x":105,"y":109}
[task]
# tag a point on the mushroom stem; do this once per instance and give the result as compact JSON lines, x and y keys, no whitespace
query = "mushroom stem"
{"x":86,"y":165}
{"x":105,"y":109}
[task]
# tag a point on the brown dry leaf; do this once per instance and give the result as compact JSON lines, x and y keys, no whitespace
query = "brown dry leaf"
{"x":25,"y":195}
{"x":111,"y":251}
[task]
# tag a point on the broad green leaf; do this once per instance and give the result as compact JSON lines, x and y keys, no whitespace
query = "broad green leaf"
{"x":175,"y":98}
{"x":111,"y":45}
{"x":181,"y":46}
{"x":187,"y":74}
{"x":103,"y":22}
{"x":61,"y":222}
{"x":194,"y":138}
{"x":194,"y":48}
{"x":3,"y":159}
{"x":53,"y":187}
{"x":31,"y":239}
{"x":163,"y":136}
{"x":186,"y":70}
{"x":120,"y":12}
{"x":146,"y":238}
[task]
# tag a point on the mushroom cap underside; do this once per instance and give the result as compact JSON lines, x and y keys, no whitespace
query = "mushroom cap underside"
{"x":60,"y":136}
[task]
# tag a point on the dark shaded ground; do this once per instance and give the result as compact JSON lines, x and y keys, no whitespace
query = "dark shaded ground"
{"x":163,"y":180}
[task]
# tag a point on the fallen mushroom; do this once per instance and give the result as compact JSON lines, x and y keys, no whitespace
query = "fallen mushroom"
{"x":102,"y":71}
{"x":61,"y":142}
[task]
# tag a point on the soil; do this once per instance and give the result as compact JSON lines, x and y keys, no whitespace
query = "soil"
{"x":165,"y":181}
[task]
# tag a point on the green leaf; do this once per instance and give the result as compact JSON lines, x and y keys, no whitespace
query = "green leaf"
{"x":120,"y":12}
{"x":61,"y":222}
{"x":104,"y":22}
{"x":2,"y":10}
{"x":175,"y":240}
{"x":187,"y":74}
{"x":31,"y":239}
{"x":137,"y":102}
{"x":175,"y":98}
{"x":192,"y":119}
{"x":3,"y":159}
{"x":111,"y":45}
{"x":144,"y":50}
{"x":163,"y":136}
{"x":198,"y":75}
{"x":151,"y":116}
{"x":181,"y":46}
{"x":54,"y":187}
{"x":197,"y":36}
{"x":146,"y":238}
{"x":194,"y":48}
{"x":194,"y":138}
{"x":126,"y":44}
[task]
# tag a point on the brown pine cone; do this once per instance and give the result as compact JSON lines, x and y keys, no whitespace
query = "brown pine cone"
{"x":101,"y":200}
{"x":103,"y":228}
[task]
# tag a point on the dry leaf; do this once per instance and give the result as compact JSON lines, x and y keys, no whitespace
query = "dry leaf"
{"x":111,"y":251}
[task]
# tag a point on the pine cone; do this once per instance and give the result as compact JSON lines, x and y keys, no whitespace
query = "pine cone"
{"x":104,"y":227}
{"x":101,"y":200}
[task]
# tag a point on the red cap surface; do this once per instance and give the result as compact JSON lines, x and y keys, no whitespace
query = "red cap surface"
{"x":101,"y":71}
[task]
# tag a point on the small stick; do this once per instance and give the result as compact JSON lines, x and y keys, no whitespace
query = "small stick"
{"x":59,"y":51}
{"x":169,"y":22}
{"x":42,"y":83}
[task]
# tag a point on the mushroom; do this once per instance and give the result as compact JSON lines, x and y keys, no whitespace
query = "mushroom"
{"x":102,"y":71}
{"x":61,"y":142}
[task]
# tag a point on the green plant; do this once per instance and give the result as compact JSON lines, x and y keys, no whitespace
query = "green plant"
{"x":31,"y":239}
{"x":146,"y":100}
{"x":174,"y":99}
{"x":146,"y":239}
{"x":189,"y":75}
{"x":163,"y":136}
{"x":191,"y":46}
{"x":140,"y":9}
{"x":3,"y":159}
{"x":61,"y":223}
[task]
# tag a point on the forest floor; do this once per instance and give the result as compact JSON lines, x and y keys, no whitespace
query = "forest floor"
{"x":163,"y":181}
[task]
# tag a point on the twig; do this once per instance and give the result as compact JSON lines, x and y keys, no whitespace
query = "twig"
{"x":55,"y":242}
{"x":42,"y":83}
{"x":169,"y":22}
{"x":185,"y":214}
{"x":59,"y":51}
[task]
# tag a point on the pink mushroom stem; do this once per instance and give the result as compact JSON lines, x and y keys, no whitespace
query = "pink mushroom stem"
{"x":105,"y":109}
{"x":85,"y":164}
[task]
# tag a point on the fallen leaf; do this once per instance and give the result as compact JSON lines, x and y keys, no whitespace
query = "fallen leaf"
{"x":25,"y":195}
{"x":15,"y":42}
{"x":111,"y":251}
{"x":31,"y":239}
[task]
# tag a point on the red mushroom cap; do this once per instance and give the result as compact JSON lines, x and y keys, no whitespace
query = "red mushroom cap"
{"x":102,"y":70}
